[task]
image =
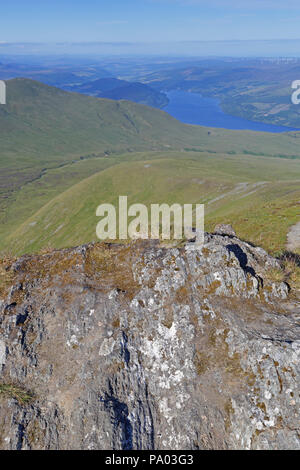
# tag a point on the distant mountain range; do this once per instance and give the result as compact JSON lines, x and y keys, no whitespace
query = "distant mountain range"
{"x":115,"y":89}
{"x":92,"y":80}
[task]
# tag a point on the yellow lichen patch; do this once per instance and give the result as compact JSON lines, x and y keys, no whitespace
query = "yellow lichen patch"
{"x":229,"y":411}
{"x":213,"y":354}
{"x":115,"y":367}
{"x":276,"y":364}
{"x":206,"y":252}
{"x":116,"y":322}
{"x":59,"y":264}
{"x":251,"y":379}
{"x":201,"y":361}
{"x":67,"y":296}
{"x":182,"y":295}
{"x":31,"y":336}
{"x":211,"y":289}
{"x":168,"y":318}
{"x":262,"y":406}
{"x":194,"y":320}
{"x":6,"y":274}
{"x":36,"y":434}
{"x":111,"y":267}
{"x":49,"y":248}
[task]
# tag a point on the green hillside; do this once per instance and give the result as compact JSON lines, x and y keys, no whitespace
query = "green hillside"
{"x":53,"y":142}
{"x":259,"y":196}
{"x":43,"y":124}
{"x":42,"y":120}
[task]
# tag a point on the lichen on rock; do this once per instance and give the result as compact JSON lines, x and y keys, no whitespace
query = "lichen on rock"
{"x":141,"y":346}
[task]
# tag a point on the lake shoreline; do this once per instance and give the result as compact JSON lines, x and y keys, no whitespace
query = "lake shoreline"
{"x":196,"y":109}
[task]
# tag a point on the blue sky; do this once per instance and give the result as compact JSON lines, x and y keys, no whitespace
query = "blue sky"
{"x":147,"y":21}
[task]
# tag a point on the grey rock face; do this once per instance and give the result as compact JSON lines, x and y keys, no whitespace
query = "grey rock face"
{"x":144,"y":347}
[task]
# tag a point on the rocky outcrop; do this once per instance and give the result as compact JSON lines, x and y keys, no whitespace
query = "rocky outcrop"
{"x":143,"y":347}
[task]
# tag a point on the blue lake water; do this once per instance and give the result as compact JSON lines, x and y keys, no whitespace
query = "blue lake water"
{"x":192,"y":108}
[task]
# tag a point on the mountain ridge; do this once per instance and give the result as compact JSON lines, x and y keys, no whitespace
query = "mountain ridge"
{"x":116,"y":89}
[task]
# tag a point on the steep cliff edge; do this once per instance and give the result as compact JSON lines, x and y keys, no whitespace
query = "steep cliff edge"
{"x":144,"y":347}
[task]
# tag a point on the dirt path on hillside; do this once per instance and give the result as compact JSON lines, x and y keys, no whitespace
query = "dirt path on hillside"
{"x":293,"y":238}
{"x":241,"y":190}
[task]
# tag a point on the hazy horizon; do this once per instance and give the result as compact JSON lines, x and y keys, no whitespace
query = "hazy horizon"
{"x":151,"y":27}
{"x":217,"y":48}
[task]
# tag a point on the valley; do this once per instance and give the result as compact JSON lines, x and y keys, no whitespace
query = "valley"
{"x":63,"y":154}
{"x":254,"y":89}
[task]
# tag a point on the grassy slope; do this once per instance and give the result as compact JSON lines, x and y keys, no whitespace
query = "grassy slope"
{"x":50,"y":124}
{"x":261,"y":213}
{"x":43,"y":128}
{"x":51,"y":140}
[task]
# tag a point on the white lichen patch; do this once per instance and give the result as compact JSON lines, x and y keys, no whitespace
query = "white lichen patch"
{"x":2,"y":353}
{"x":73,"y":341}
{"x":107,"y":346}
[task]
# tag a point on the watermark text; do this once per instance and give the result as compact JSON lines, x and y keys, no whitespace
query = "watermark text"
{"x":2,"y":92}
{"x":164,"y":222}
{"x":296,"y":93}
